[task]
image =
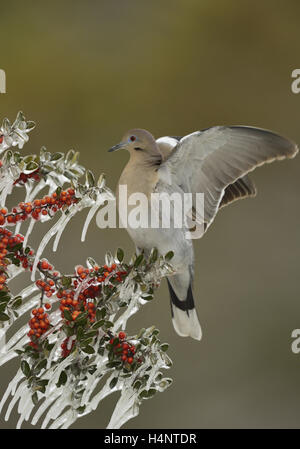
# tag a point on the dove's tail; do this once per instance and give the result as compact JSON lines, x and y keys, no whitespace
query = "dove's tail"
{"x":184,"y":315}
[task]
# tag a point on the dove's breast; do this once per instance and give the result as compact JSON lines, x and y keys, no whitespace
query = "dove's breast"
{"x":134,"y":202}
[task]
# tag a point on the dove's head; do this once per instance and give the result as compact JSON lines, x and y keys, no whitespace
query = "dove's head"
{"x":141,"y":145}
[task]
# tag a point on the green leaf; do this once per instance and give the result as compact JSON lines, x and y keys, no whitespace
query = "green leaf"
{"x":25,"y":368}
{"x":75,"y":158}
{"x":88,"y":349}
{"x":82,"y":316}
{"x":6,"y":125}
{"x":28,"y":158}
{"x":41,"y":385}
{"x":19,"y":352}
{"x":138,"y":260}
{"x":169,"y":255}
{"x":43,"y":382}
{"x":103,"y":312}
{"x":42,"y":364}
{"x":90,"y":179}
{"x":3,"y":306}
{"x":32,"y":166}
{"x":66,"y":281}
{"x":151,"y":392}
{"x":137,"y":384}
{"x":35,"y":398}
{"x":68,"y":315}
{"x":98,"y":324}
{"x":56,"y":156}
{"x":114,"y":364}
{"x":91,"y":333}
{"x":108,"y":324}
{"x":81,"y":409}
{"x":147,"y":298}
{"x":69,"y":330}
{"x":91,"y":261}
{"x":113,"y":382}
{"x":98,"y":315}
{"x":17,"y":247}
{"x":4,"y":296}
{"x":49,"y":346}
{"x":101,"y":351}
{"x":4,"y":316}
{"x":145,"y":341}
{"x":164,"y":347}
{"x":101,"y":180}
{"x":62,"y":379}
{"x":69,"y":155}
{"x":154,"y":255}
{"x":17,"y":302}
{"x":79,"y":332}
{"x":120,"y":254}
{"x":86,"y":341}
{"x":143,"y":394}
{"x":30,"y":125}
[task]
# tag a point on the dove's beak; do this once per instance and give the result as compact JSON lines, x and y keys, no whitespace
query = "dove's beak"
{"x":119,"y":146}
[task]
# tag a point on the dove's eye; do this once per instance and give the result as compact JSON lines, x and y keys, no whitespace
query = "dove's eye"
{"x":132,"y":138}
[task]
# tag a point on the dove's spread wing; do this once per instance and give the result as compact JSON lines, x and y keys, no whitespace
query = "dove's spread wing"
{"x":242,"y":188}
{"x":212,"y":160}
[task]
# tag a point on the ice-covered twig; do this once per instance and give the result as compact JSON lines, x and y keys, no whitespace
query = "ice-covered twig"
{"x":75,"y":354}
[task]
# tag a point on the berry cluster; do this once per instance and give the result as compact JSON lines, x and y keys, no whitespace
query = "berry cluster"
{"x":47,"y":285}
{"x":64,"y":347}
{"x":23,"y":178}
{"x":38,"y":207}
{"x":118,"y":274}
{"x":8,"y":242}
{"x":39,"y":324}
{"x":52,"y":283}
{"x":77,"y":306}
{"x":123,"y":348}
{"x":82,"y":303}
{"x":69,"y":301}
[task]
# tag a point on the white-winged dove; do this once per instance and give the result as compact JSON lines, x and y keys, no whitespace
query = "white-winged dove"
{"x":215,"y":162}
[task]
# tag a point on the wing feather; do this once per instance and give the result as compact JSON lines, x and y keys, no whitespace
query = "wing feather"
{"x":216,"y":161}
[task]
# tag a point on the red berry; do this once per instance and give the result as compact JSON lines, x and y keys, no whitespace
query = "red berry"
{"x":122,"y":335}
{"x":44,"y":265}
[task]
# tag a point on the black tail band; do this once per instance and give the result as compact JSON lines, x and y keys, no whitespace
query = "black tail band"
{"x":187,"y":304}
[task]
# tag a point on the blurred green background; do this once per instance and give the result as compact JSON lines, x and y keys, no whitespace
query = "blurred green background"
{"x":87,"y":71}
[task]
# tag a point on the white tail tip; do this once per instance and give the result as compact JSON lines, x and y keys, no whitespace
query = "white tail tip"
{"x":186,"y":325}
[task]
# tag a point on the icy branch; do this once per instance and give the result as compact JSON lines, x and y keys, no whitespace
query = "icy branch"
{"x":74,"y":351}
